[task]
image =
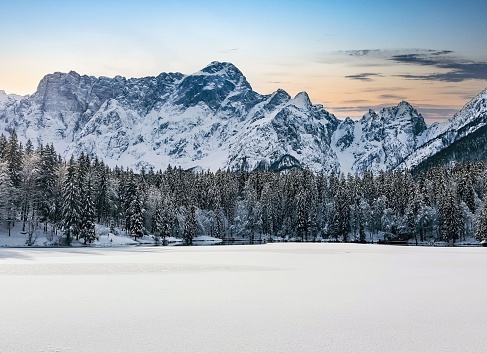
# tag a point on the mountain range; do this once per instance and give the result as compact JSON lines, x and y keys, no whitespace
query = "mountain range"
{"x":214,"y":119}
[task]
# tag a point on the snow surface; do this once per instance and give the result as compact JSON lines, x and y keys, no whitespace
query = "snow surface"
{"x":262,"y":298}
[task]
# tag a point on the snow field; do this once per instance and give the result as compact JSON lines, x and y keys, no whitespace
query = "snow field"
{"x":263,"y":298}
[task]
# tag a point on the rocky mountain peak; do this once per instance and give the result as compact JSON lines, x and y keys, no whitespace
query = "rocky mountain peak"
{"x":302,"y":100}
{"x":225,"y":70}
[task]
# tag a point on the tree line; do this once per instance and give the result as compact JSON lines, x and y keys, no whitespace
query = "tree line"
{"x":41,"y":191}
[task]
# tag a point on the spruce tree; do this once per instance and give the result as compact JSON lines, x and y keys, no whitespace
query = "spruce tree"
{"x":14,"y":159}
{"x":136,"y":218}
{"x":71,"y":204}
{"x":8,"y":195}
{"x":481,"y":232}
{"x":87,"y":217}
{"x":190,"y":226}
{"x":47,"y":181}
{"x":303,"y":221}
{"x":168,"y":218}
{"x":156,"y":222}
{"x":449,"y":216}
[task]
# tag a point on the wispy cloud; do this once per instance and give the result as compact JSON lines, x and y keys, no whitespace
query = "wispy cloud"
{"x":229,"y":51}
{"x":355,"y":101}
{"x":391,"y":97}
{"x":446,"y":65}
{"x":366,"y":76}
{"x":458,"y":69}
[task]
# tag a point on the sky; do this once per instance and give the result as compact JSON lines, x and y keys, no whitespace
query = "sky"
{"x":349,"y":55}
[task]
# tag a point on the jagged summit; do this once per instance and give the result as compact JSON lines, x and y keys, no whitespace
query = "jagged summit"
{"x":302,"y":100}
{"x":217,"y":66}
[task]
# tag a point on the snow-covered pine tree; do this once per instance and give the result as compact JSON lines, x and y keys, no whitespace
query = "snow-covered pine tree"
{"x":302,"y":210}
{"x":101,"y":192}
{"x":28,"y":188}
{"x":156,"y":221}
{"x":46,"y":184}
{"x":481,"y":232}
{"x":128,"y":195}
{"x":14,"y":159}
{"x":190,"y":226}
{"x":169,"y":220}
{"x":71,"y":204}
{"x":136,"y":218}
{"x":219,"y":224}
{"x":465,"y":190}
{"x":8,"y":194}
{"x":87,"y":217}
{"x":449,"y":216}
{"x":3,"y":147}
{"x":29,"y":148}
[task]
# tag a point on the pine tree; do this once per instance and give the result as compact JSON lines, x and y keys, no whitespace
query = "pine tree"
{"x":71,"y":204}
{"x":7,"y":197}
{"x":481,"y":232}
{"x":101,"y":191}
{"x":449,"y":216}
{"x":190,"y":226}
{"x":3,"y":147}
{"x":29,"y":148}
{"x":219,"y":224}
{"x":46,"y":183}
{"x":303,"y":221}
{"x":157,"y":221}
{"x":14,"y":159}
{"x":87,"y":217}
{"x":168,"y":218}
{"x":136,"y":218}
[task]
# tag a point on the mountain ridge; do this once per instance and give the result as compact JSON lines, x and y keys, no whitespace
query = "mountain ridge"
{"x":214,"y":119}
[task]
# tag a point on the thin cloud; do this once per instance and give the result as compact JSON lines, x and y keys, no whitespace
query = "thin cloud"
{"x":355,"y":101}
{"x":229,"y":51}
{"x":391,"y":96}
{"x":366,"y":76}
{"x":458,"y":69}
{"x":363,"y":52}
{"x":386,"y":89}
{"x":446,"y":65}
{"x":459,"y":73}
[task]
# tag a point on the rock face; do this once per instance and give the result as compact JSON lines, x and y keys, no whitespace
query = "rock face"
{"x":213,"y":119}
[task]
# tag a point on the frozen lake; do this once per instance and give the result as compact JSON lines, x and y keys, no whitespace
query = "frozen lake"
{"x":260,"y":298}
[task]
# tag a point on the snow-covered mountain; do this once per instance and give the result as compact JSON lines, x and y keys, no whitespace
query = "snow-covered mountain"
{"x":378,"y":141}
{"x":213,"y":119}
{"x":210,"y":119}
{"x":438,"y":137}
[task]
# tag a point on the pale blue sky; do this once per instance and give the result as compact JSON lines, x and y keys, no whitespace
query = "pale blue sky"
{"x":294,"y":45}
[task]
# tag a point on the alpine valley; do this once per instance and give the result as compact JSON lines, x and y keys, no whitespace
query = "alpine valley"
{"x":213,"y":119}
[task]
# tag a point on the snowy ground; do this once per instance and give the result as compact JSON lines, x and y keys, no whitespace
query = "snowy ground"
{"x":261,"y":298}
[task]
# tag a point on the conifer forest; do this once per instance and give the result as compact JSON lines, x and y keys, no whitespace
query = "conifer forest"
{"x":41,"y":191}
